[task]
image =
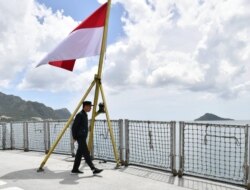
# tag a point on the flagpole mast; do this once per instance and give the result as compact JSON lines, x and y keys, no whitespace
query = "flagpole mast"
{"x":99,"y":75}
{"x":99,"y":87}
{"x":104,"y":41}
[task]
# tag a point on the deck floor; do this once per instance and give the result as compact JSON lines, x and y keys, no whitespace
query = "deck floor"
{"x":18,"y":172}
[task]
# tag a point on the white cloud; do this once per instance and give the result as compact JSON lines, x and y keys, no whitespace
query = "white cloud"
{"x":195,"y":45}
{"x":201,"y":46}
{"x":197,"y":48}
{"x":102,"y":1}
{"x":26,"y":35}
{"x":55,"y":79}
{"x":14,"y":38}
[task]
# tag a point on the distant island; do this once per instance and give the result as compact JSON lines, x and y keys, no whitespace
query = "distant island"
{"x":211,"y":117}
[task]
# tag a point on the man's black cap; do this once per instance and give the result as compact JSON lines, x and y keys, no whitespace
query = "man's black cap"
{"x":87,"y":103}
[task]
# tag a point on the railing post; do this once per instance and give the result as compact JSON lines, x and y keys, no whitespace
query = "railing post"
{"x":25,"y":136}
{"x":4,"y":135}
{"x":11,"y":137}
{"x":181,"y":148}
{"x":173,"y":147}
{"x":45,"y":128}
{"x":127,"y":141}
{"x":48,"y":130}
{"x":247,"y":157}
{"x":72,"y":146}
{"x":121,"y":137}
{"x":92,"y":150}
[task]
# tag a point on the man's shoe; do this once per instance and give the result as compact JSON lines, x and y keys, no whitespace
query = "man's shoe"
{"x":76,"y":172}
{"x":96,"y":171}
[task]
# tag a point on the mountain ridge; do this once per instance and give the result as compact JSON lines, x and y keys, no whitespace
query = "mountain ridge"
{"x":15,"y":108}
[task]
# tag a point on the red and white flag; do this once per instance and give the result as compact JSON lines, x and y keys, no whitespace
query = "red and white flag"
{"x":85,"y":40}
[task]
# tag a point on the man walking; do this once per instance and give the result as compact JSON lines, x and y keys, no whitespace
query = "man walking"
{"x":80,"y":134}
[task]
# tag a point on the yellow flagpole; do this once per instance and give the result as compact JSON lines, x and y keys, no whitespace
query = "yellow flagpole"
{"x":99,"y":88}
{"x":99,"y":75}
{"x":104,"y":42}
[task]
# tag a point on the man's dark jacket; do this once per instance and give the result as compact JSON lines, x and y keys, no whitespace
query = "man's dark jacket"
{"x":80,"y":126}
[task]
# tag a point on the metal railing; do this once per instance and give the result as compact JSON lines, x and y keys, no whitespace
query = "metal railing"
{"x":103,"y":148}
{"x":215,"y":151}
{"x":150,"y":143}
{"x":212,"y":151}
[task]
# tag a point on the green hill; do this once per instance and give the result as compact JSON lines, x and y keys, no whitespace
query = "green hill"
{"x":14,"y":108}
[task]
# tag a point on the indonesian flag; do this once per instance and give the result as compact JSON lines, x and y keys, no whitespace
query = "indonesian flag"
{"x":85,"y":40}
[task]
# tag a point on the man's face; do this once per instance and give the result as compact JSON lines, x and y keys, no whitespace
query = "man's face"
{"x":87,"y":108}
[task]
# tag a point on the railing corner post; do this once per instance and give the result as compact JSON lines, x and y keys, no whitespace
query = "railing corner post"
{"x":121,"y":140}
{"x":247,"y":157}
{"x":26,"y":137}
{"x":72,"y":146}
{"x":46,"y":136}
{"x":181,"y":149}
{"x":127,"y":141}
{"x":173,"y":147}
{"x":11,"y":136}
{"x":4,"y":136}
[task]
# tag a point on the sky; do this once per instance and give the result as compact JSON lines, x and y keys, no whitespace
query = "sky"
{"x":165,"y":59}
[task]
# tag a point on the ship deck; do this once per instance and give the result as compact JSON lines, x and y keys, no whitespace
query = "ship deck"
{"x":19,"y":172}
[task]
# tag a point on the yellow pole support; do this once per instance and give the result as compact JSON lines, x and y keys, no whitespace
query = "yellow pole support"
{"x":65,"y":128}
{"x":92,"y":125}
{"x":110,"y":127}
